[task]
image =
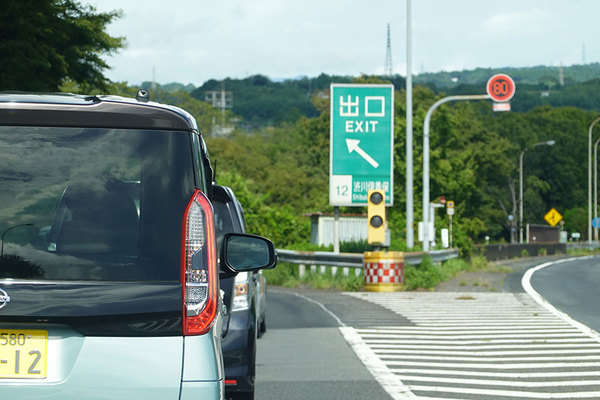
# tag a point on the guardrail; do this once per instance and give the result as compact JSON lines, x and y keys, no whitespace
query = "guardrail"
{"x":583,"y":245}
{"x":351,"y":260}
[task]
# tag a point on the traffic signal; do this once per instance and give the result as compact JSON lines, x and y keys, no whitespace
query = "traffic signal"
{"x":376,"y":216}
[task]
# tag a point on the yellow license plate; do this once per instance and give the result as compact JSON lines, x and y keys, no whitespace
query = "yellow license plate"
{"x":23,"y":353}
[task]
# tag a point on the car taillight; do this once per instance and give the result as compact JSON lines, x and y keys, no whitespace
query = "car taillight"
{"x":199,"y":266}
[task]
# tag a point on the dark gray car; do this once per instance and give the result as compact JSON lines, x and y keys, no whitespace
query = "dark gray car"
{"x":245,"y":297}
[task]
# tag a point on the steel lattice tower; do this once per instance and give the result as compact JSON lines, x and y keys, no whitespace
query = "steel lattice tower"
{"x":389,"y":66}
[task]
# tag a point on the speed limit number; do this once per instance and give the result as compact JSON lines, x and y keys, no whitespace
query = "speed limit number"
{"x":501,"y":88}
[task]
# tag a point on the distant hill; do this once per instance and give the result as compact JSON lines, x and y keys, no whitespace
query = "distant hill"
{"x":261,"y":101}
{"x":536,"y":86}
{"x":524,"y":75}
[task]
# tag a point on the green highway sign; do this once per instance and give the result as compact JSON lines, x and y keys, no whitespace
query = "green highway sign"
{"x":361,"y":143}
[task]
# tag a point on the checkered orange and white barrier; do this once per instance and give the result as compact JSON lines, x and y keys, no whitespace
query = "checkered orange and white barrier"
{"x":384,"y":271}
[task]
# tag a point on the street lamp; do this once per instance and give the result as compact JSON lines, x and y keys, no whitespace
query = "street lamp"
{"x":590,"y":179}
{"x":4,"y":234}
{"x":596,"y":186}
{"x":547,"y":143}
{"x":435,"y":105}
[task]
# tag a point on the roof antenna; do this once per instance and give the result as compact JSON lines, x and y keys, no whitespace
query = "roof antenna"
{"x":143,"y":96}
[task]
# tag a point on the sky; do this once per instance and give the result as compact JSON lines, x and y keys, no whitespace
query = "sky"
{"x":192,"y":41}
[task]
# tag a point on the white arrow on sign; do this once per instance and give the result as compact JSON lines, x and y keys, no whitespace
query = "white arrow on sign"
{"x":353,"y":146}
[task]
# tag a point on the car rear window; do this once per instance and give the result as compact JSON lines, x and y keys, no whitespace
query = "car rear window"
{"x":92,"y":204}
{"x":223,"y":221}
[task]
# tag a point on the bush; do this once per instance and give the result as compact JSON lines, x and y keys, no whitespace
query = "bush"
{"x":428,"y":276}
{"x":425,"y":276}
{"x":355,"y":247}
{"x":350,"y":283}
{"x":478,"y":262}
{"x":542,"y":252}
{"x":285,"y":274}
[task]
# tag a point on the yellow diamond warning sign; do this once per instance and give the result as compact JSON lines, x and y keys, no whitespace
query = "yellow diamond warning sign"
{"x":553,"y":217}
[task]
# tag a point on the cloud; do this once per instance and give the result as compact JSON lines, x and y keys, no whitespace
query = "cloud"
{"x":517,"y":23}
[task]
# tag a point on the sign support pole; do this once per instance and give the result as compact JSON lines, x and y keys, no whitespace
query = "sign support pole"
{"x":450,"y":226}
{"x":426,"y":158}
{"x":410,"y":225}
{"x":590,"y":180}
{"x":500,"y":88}
{"x":336,"y":229}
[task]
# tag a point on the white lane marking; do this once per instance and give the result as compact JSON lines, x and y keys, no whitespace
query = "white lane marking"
{"x":460,"y":331}
{"x":507,"y":393}
{"x":492,"y":382}
{"x":482,"y":347}
{"x":488,"y":353}
{"x":452,"y":338}
{"x":386,"y":378}
{"x":496,"y":365}
{"x":526,"y":283}
{"x":434,"y":336}
{"x":489,"y":324}
{"x":327,"y":310}
{"x":382,"y":374}
{"x":513,"y":375}
{"x":438,"y":398}
{"x":385,"y":356}
{"x":480,"y":343}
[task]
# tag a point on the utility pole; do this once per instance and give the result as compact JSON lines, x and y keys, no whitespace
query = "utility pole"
{"x":221,"y":100}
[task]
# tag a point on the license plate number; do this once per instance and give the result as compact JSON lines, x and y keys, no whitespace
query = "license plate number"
{"x":23,"y":353}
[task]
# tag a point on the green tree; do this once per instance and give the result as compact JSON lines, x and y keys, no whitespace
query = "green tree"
{"x":576,"y":220}
{"x":45,"y":42}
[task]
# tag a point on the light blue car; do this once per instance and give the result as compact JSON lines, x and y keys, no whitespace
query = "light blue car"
{"x":109,"y":280}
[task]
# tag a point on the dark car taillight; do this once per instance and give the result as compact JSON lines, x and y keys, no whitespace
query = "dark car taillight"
{"x":199,"y":266}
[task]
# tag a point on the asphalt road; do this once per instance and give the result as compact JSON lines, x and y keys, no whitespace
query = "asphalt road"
{"x":436,"y":345}
{"x":303,"y":355}
{"x":572,"y":287}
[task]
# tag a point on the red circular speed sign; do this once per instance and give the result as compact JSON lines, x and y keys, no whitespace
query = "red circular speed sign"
{"x":501,"y":88}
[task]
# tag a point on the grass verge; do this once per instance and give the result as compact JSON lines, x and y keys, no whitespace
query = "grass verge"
{"x":286,"y":274}
{"x":425,"y":276}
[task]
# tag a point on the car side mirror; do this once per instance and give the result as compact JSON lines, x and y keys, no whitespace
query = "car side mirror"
{"x":245,"y":252}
